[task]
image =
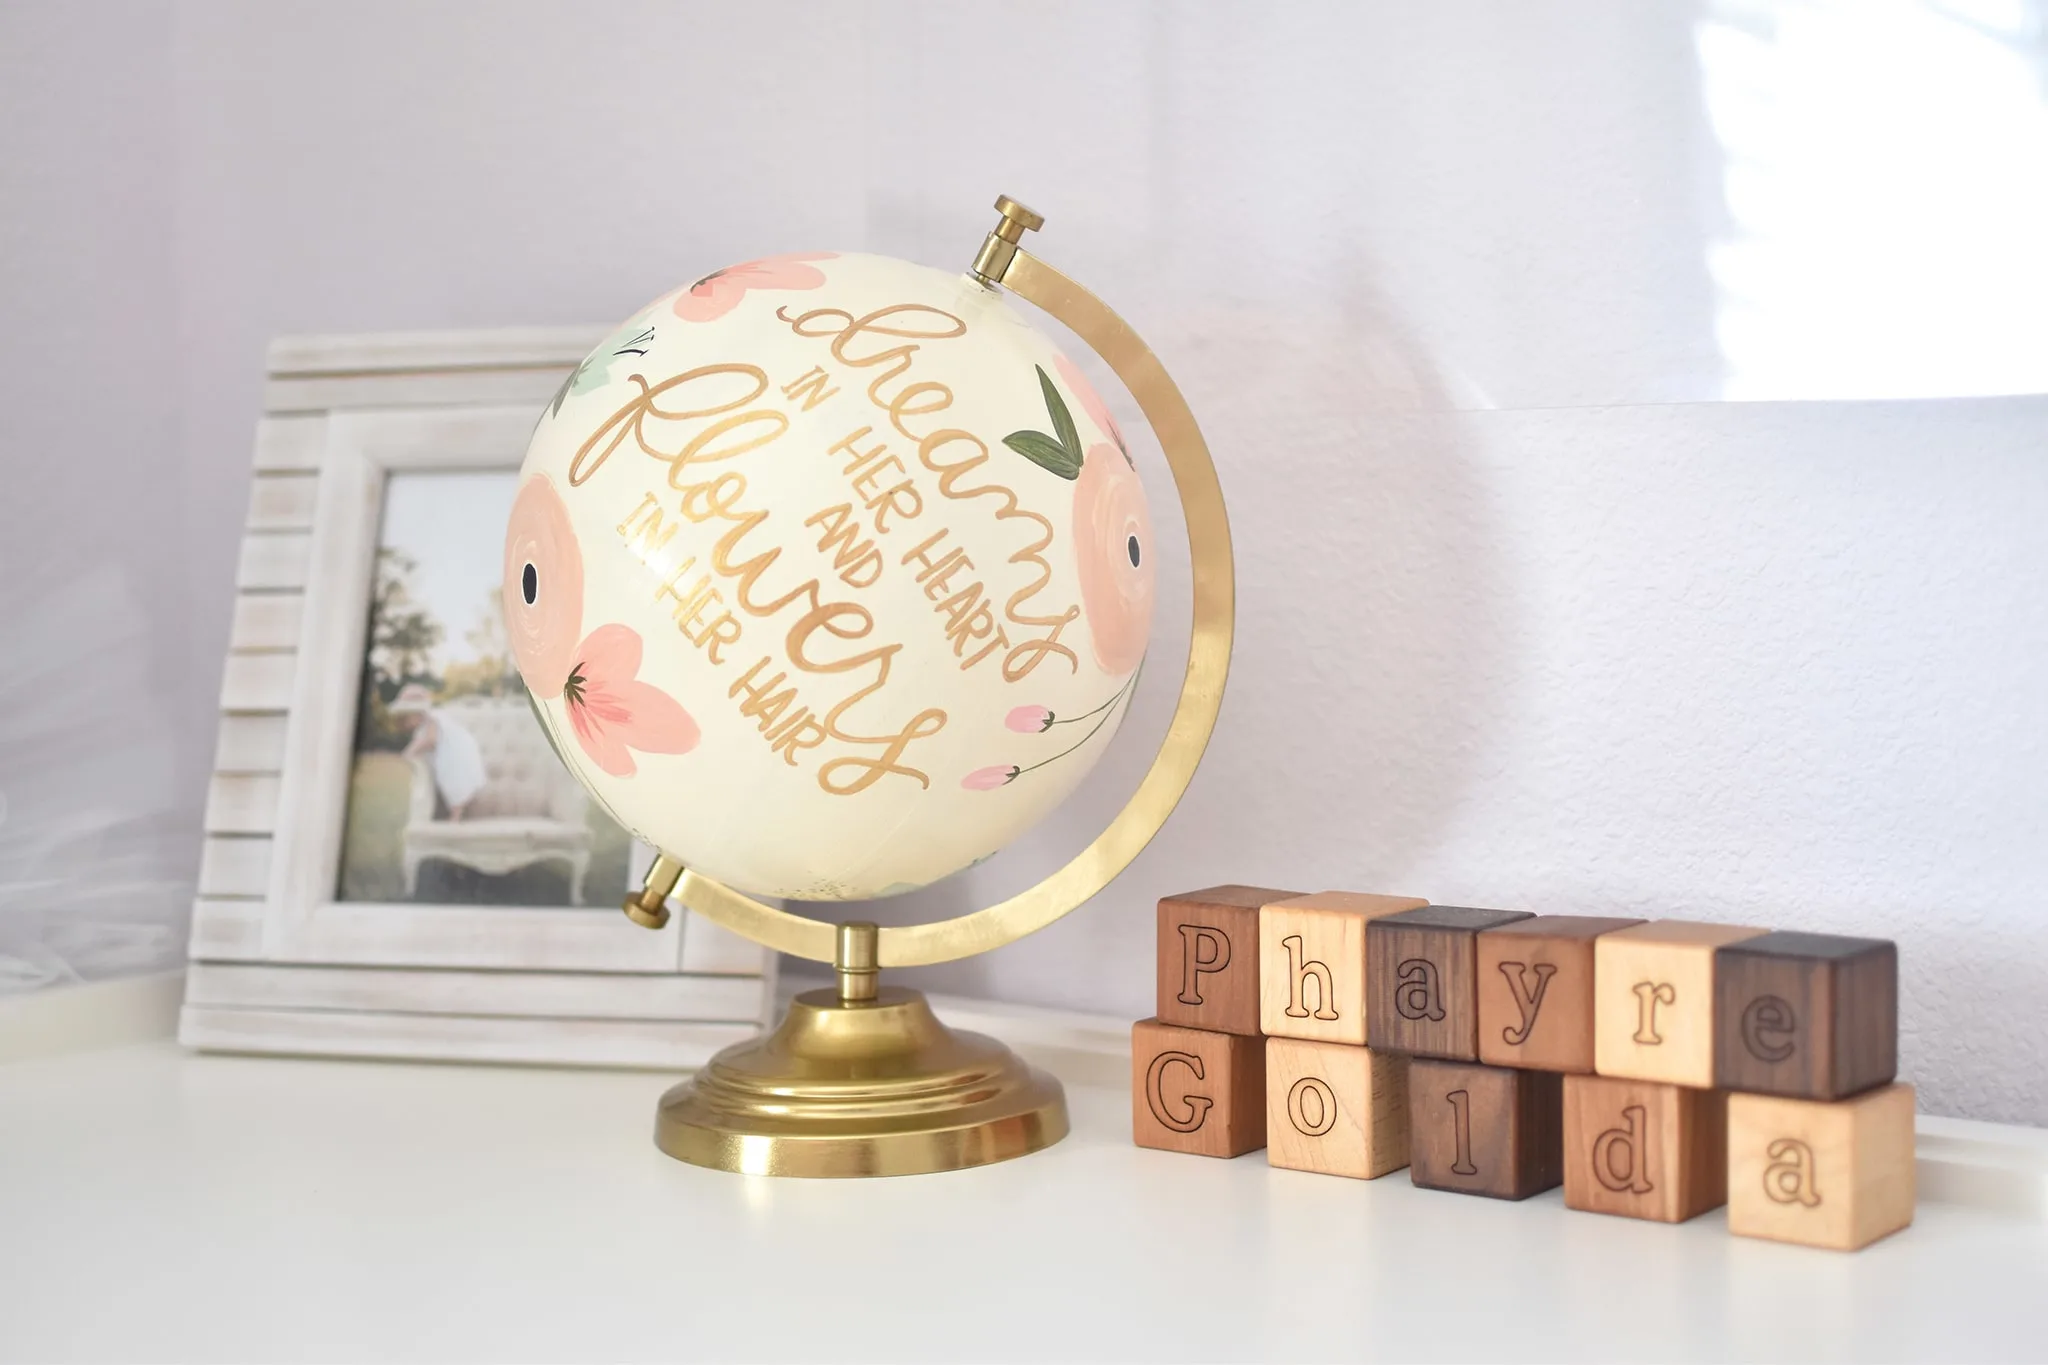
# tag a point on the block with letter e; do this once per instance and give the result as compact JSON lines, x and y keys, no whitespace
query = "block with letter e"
{"x":1197,"y":1091}
{"x":1484,"y":1129}
{"x":1808,"y":1015}
{"x":1536,"y":991}
{"x":1421,"y":994}
{"x":1653,"y":1000}
{"x":1335,"y":1108}
{"x":1312,"y":963}
{"x":1643,"y":1149}
{"x":1823,"y":1173}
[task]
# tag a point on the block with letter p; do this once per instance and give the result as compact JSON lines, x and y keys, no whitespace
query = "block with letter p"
{"x":1312,"y":963}
{"x":1209,"y":957}
{"x":1653,"y":1000}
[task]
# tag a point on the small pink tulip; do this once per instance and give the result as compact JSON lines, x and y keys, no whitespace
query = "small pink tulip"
{"x":988,"y":779}
{"x":1030,"y":720}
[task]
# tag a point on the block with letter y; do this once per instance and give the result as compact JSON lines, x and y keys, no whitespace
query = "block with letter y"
{"x":1536,"y":991}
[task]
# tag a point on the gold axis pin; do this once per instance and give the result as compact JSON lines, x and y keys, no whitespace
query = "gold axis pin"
{"x":999,"y":248}
{"x":648,"y":907}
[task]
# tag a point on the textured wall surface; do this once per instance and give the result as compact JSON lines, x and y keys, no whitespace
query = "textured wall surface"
{"x":1528,"y":617}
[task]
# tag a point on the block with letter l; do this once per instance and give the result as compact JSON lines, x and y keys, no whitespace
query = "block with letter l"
{"x":1421,"y":991}
{"x":1808,"y":1015}
{"x":1484,"y":1129}
{"x":1312,"y":953}
{"x":1209,"y":957}
{"x":1196,"y":1091}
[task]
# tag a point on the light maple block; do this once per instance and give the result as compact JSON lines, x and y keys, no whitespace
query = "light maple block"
{"x":1642,"y":1149}
{"x":1653,"y":1000}
{"x":1335,"y":1109}
{"x":1823,"y":1173}
{"x":1197,"y":1092}
{"x":1312,"y":960}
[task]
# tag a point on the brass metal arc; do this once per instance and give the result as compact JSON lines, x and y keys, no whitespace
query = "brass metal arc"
{"x":1194,"y":718}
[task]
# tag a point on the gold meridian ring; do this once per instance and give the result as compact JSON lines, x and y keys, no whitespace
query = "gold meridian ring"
{"x":1201,"y":690}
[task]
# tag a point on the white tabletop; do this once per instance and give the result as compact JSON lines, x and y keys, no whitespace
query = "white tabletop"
{"x":160,"y":1205}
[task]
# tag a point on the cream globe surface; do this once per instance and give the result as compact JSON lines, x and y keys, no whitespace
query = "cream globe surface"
{"x":828,"y":575}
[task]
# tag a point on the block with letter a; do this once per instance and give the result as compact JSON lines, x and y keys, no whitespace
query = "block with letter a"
{"x":1312,"y":956}
{"x":1421,"y":994}
{"x":1197,"y":1091}
{"x":1209,"y":957}
{"x":1835,"y":1174}
{"x":1643,"y":1149}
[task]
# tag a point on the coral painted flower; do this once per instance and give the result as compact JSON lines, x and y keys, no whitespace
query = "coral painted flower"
{"x":594,"y":677}
{"x":720,"y":292}
{"x":1113,"y":542}
{"x":988,"y":779}
{"x":1030,"y":720}
{"x":1091,"y":402}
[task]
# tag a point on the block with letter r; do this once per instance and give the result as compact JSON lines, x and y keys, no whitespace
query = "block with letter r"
{"x":1209,"y":957}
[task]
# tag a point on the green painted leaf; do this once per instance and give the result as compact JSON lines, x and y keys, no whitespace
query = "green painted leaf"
{"x":1062,"y":420}
{"x":1044,"y":452}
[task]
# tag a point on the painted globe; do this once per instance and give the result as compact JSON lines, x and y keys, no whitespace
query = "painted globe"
{"x":828,"y":575}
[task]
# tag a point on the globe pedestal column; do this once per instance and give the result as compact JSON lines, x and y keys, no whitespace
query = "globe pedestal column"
{"x":860,"y":1081}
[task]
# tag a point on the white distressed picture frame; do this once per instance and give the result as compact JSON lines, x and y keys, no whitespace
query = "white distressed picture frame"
{"x":278,"y":964}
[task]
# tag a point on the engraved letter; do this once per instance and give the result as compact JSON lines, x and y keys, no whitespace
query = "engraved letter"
{"x":1155,"y":1092}
{"x":1767,"y":1028}
{"x":1621,"y":1157}
{"x":1417,"y":997}
{"x":1194,"y":939}
{"x":1789,"y":1177}
{"x":1649,"y":995}
{"x":1299,"y":973}
{"x":1526,"y":1000}
{"x":1461,"y":1132}
{"x":1324,"y":1117}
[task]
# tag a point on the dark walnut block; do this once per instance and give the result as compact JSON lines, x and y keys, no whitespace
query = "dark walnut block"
{"x":1209,"y":957}
{"x":1422,"y":993}
{"x":1814,"y":1016}
{"x":1485,"y":1129}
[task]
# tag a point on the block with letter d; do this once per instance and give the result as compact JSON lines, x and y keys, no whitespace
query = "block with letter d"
{"x":1643,"y":1149}
{"x":1312,"y":960}
{"x":1209,"y":957}
{"x":1197,"y":1091}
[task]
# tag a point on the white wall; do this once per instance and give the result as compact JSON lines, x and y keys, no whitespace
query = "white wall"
{"x":1527,"y":619}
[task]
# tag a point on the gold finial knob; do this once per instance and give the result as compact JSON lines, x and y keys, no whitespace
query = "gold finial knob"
{"x":856,"y":957}
{"x":999,"y":248}
{"x":646,"y":907}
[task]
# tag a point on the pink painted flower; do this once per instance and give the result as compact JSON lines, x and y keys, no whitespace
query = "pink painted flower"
{"x":596,"y":677}
{"x":1113,"y":541}
{"x":1030,"y":720}
{"x":1091,"y":402}
{"x":720,"y":292}
{"x":988,"y":779}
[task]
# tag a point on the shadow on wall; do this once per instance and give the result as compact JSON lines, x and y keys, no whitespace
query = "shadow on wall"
{"x":1369,"y":641}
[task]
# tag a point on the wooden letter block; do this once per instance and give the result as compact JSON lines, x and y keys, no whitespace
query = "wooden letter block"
{"x":1653,"y":1000}
{"x":1209,"y":958}
{"x":1199,"y":1092}
{"x":1421,"y":993}
{"x":1827,"y":1174}
{"x":1536,"y":991}
{"x":1312,"y":963}
{"x":1484,"y":1129}
{"x":1811,"y":1015}
{"x":1336,"y":1109}
{"x":1644,"y":1150}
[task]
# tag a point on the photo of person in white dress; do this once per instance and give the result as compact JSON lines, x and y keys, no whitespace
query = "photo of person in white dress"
{"x":452,"y":751}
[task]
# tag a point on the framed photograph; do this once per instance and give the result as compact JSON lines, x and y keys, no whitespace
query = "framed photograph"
{"x":396,"y":863}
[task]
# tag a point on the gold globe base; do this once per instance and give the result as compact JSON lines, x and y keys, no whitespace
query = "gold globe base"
{"x":859,"y":1087}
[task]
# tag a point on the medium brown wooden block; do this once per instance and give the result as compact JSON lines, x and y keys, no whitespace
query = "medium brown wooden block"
{"x":1484,"y":1129}
{"x":1643,"y":1149}
{"x":1209,"y":957}
{"x":1810,"y":1015}
{"x":1653,"y":1000}
{"x":1335,"y":1108}
{"x":1312,"y":963}
{"x":1421,"y":994}
{"x":1536,"y":991}
{"x":1823,"y":1173}
{"x":1196,"y":1091}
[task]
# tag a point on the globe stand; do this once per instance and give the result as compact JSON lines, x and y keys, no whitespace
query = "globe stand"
{"x":864,"y":1080}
